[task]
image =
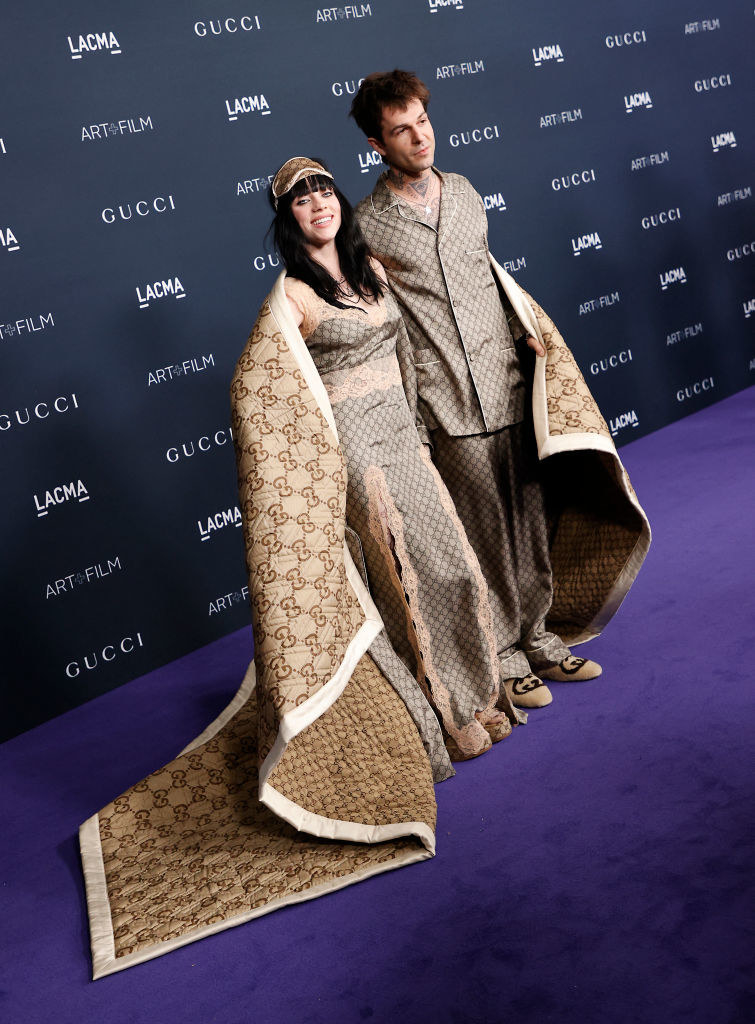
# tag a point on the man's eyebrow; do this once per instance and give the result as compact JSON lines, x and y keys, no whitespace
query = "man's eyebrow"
{"x":405,"y":124}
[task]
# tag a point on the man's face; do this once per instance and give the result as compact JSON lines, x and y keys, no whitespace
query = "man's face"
{"x":408,"y":142}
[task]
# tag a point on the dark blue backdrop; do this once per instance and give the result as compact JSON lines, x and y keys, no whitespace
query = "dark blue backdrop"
{"x":613,"y":146}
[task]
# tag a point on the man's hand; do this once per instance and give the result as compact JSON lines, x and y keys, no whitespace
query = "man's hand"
{"x":535,"y":345}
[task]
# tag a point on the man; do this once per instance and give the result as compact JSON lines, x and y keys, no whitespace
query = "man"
{"x":429,"y":229}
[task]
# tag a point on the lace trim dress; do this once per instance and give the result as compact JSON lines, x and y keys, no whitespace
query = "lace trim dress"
{"x":423,"y":575}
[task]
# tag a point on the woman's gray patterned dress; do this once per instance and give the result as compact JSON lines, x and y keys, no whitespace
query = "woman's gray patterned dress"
{"x":422,"y":572}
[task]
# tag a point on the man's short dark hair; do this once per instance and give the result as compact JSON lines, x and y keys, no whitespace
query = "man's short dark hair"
{"x":385,"y":89}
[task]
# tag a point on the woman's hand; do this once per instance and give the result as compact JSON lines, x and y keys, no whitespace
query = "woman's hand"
{"x":535,"y":345}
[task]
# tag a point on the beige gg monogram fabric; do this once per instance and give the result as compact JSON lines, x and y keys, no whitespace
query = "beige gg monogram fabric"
{"x":599,"y":533}
{"x":318,"y":774}
{"x":470,"y":400}
{"x":423,"y":573}
{"x":468,"y":375}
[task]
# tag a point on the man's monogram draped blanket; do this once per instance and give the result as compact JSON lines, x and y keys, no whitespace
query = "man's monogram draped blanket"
{"x":319,"y":774}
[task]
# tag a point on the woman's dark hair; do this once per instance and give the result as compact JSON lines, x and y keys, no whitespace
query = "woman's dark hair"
{"x":353,"y":252}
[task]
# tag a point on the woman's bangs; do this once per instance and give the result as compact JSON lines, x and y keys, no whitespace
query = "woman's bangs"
{"x":313,"y":183}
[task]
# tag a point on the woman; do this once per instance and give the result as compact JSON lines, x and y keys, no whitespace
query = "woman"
{"x":423,"y":574}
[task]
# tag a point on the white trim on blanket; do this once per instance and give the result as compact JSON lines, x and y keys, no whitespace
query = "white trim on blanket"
{"x":528,"y":320}
{"x":300,"y":718}
{"x":105,"y":963}
{"x":553,"y":444}
{"x":303,"y":716}
{"x":101,"y":936}
{"x":357,"y":832}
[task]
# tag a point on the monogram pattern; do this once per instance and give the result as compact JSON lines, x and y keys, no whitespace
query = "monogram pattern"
{"x":425,"y":578}
{"x":292,"y":486}
{"x":192,"y":846}
{"x":494,"y":480}
{"x":599,"y":534}
{"x":571,"y":407}
{"x":333,"y":753}
{"x":468,"y":376}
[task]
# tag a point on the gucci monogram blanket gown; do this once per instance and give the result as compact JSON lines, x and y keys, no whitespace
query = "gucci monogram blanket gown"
{"x":422,"y":573}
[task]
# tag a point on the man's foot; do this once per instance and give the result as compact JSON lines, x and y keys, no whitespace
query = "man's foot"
{"x":528,"y":692}
{"x":572,"y":669}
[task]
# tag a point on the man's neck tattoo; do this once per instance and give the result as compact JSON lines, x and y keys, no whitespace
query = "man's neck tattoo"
{"x":396,"y":176}
{"x":421,"y":187}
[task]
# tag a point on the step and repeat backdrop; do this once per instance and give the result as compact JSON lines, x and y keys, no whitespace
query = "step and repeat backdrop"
{"x":612,"y":144}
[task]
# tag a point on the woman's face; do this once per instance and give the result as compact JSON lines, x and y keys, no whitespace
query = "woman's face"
{"x":318,"y":215}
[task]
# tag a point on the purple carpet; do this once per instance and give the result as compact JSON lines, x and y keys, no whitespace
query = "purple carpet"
{"x":593,"y":868}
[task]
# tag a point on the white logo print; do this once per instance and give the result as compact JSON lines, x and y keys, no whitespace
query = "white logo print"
{"x":691,"y":331}
{"x":693,"y":390}
{"x":545,"y":53}
{"x":261,"y":184}
{"x":707,"y":25}
{"x":435,"y":5}
{"x":348,"y":13}
{"x":213,"y":523}
{"x":249,"y":23}
{"x":590,"y":241}
{"x":247,"y":105}
{"x":627,"y":39}
{"x":611,"y":362}
{"x":486,"y":134}
{"x":653,"y":160}
{"x":29,"y":324}
{"x":637,"y":101}
{"x":143,"y":208}
{"x":197,"y":364}
{"x":494,"y":201}
{"x":626,"y":419}
{"x":716,"y":82}
{"x":369,"y":159}
{"x":654,"y":220}
{"x":83,"y":576}
{"x":457,"y":70}
{"x":108,"y":653}
{"x":674,"y":276}
{"x":147,"y":293}
{"x":126,"y":126}
{"x":572,"y":180}
{"x":226,"y":601}
{"x":602,"y":302}
{"x":722,"y":140}
{"x":735,"y":196}
{"x":8,"y":240}
{"x":92,"y":42}
{"x":73,"y":491}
